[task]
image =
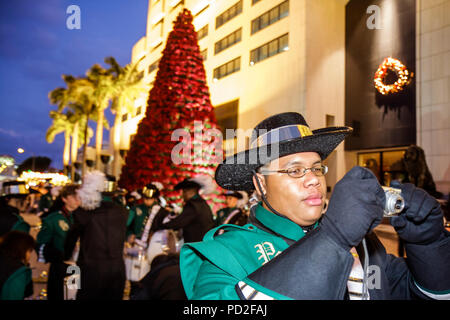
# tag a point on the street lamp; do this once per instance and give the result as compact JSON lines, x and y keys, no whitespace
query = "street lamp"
{"x":21,"y":150}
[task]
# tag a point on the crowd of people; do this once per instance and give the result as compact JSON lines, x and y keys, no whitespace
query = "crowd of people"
{"x":112,"y":235}
{"x":286,"y":242}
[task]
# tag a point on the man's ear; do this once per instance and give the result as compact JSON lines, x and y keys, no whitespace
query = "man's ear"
{"x":261,"y":187}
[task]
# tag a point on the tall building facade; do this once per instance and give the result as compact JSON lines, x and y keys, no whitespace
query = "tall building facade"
{"x":263,"y":57}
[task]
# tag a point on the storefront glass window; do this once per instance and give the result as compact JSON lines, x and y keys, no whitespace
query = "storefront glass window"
{"x":386,"y":165}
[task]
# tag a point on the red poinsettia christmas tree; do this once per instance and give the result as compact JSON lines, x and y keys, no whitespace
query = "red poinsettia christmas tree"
{"x":177,"y":138}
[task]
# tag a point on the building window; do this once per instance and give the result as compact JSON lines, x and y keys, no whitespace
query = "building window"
{"x":124,"y":117}
{"x":157,"y":45}
{"x":203,"y":32}
{"x":386,"y":165}
{"x":255,"y":1}
{"x":229,"y":14}
{"x":159,"y":25}
{"x":138,"y":110}
{"x":204,"y":54}
{"x":132,"y":138}
{"x":228,"y":41}
{"x":175,"y":3}
{"x":202,"y":10}
{"x":153,"y":66}
{"x":270,"y":17}
{"x":227,"y":116}
{"x":329,"y":120}
{"x":227,"y":68}
{"x":269,"y":49}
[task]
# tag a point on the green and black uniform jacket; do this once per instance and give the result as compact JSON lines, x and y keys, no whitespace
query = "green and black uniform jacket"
{"x":273,"y":258}
{"x":15,"y":279}
{"x":53,"y":234}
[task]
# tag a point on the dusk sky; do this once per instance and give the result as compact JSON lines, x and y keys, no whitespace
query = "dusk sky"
{"x":37,"y":48}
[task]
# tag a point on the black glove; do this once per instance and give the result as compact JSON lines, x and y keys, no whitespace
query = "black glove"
{"x":421,"y":222}
{"x":355,"y":208}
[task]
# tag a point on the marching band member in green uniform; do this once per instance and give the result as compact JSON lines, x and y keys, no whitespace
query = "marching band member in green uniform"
{"x":46,"y":200}
{"x":51,"y":238}
{"x":231,"y":199}
{"x":15,"y":274}
{"x":290,"y":249}
{"x":139,"y":215}
{"x":13,"y":195}
{"x":232,"y":213}
{"x":100,"y":226}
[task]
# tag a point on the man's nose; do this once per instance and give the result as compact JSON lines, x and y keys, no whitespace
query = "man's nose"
{"x":310,"y":179}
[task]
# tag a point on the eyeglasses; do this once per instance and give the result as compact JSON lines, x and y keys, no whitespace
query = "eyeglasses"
{"x":300,"y":172}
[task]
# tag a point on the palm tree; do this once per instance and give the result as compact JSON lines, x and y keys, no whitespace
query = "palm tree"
{"x":84,"y":96}
{"x":64,"y":98}
{"x":60,"y":97}
{"x":60,"y":124}
{"x":128,"y":86}
{"x":78,"y":136}
{"x":67,"y":123}
{"x":79,"y":93}
{"x":102,"y":94}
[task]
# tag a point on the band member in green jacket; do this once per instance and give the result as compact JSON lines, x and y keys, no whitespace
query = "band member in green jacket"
{"x":292,"y":249}
{"x":15,"y":274}
{"x":13,"y":200}
{"x":46,"y":200}
{"x":139,"y":214}
{"x":51,"y":239}
{"x":233,"y":212}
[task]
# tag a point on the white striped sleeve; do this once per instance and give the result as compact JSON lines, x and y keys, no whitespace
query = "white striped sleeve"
{"x":249,"y":293}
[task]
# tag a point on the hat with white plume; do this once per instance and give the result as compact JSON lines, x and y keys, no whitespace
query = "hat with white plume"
{"x":91,"y":190}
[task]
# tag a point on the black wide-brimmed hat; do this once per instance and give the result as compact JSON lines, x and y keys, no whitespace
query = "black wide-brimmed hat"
{"x":187,"y":183}
{"x":275,"y":137}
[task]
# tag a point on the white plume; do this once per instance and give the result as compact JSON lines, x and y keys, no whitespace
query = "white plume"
{"x":90,"y":191}
{"x":206,"y":183}
{"x":158,"y":185}
{"x":136,"y":194}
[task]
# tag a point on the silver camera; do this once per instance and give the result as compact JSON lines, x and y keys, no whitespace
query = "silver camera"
{"x":394,"y":202}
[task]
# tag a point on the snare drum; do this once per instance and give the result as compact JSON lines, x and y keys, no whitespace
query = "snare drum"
{"x":136,"y":267}
{"x":163,"y":242}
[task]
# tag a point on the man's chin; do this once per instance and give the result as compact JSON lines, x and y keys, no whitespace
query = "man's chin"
{"x":306,"y":219}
